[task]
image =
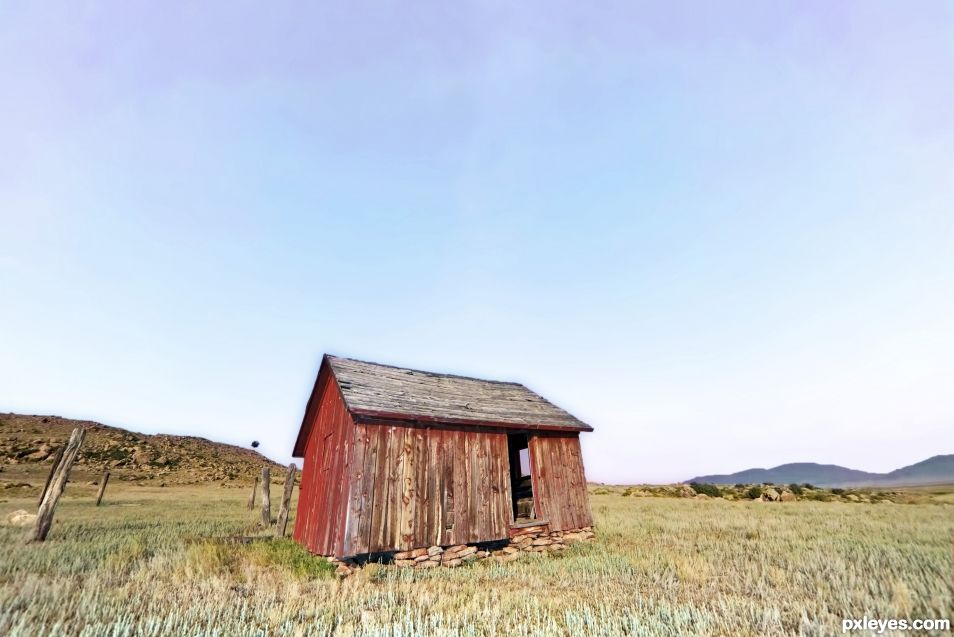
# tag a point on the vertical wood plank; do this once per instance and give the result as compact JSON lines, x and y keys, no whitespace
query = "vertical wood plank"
{"x":315,"y":499}
{"x":473,"y":490}
{"x":358,"y":492}
{"x":538,"y":476}
{"x":433,"y":521}
{"x":369,"y":485}
{"x":493,"y":492}
{"x":385,"y":489}
{"x":568,"y":474}
{"x":586,"y":517}
{"x":320,"y":515}
{"x":557,"y":479}
{"x":342,"y":473}
{"x":307,"y":472}
{"x":408,"y":499}
{"x":482,"y":477}
{"x":461,"y":492}
{"x":396,"y":488}
{"x":575,"y":470}
{"x":315,"y":538}
{"x":313,"y":494}
{"x":560,"y":486}
{"x":502,"y":495}
{"x":421,"y":501}
{"x":379,"y":496}
{"x":575,"y":492}
{"x":318,"y":495}
{"x":449,"y":505}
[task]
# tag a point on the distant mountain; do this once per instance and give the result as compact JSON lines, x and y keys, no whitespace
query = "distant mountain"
{"x":936,"y":470}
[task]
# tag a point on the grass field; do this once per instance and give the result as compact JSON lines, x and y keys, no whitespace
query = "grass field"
{"x":659,"y":566}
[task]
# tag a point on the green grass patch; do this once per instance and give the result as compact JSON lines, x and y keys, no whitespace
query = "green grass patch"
{"x":290,"y":556}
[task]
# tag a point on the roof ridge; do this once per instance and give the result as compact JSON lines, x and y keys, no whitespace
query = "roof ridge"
{"x":429,"y":373}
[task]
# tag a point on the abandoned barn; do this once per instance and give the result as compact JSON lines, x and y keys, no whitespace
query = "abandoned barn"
{"x":398,"y":459}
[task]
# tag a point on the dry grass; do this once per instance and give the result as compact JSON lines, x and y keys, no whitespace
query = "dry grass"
{"x":659,"y":566}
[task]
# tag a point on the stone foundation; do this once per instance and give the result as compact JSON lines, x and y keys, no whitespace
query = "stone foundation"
{"x":531,"y":539}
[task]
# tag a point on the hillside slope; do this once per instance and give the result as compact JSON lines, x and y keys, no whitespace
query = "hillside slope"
{"x":28,"y":444}
{"x":935,"y":470}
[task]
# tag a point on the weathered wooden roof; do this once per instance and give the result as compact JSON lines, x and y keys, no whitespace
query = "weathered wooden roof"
{"x":376,"y":392}
{"x":372,"y":389}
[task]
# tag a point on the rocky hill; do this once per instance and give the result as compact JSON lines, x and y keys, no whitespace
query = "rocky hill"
{"x":29,"y":443}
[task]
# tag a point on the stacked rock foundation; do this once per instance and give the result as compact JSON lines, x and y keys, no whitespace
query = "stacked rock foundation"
{"x":531,"y":539}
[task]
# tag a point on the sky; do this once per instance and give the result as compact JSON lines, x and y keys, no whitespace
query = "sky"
{"x":720,"y":233}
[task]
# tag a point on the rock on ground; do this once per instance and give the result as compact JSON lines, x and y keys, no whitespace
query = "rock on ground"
{"x":21,"y":518}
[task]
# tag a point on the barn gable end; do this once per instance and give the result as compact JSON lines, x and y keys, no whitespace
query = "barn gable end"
{"x":325,"y":483}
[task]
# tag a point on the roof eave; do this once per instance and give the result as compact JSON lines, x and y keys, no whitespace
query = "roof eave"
{"x":367,"y":415}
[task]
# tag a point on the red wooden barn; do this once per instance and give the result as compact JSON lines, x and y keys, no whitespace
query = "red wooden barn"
{"x":396,"y":459}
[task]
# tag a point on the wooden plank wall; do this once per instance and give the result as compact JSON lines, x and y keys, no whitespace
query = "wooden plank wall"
{"x":414,"y":487}
{"x":559,"y":483}
{"x":323,"y":497}
{"x":373,"y":487}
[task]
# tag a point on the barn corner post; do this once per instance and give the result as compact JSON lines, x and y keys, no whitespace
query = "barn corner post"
{"x":266,"y":498}
{"x":44,"y":516}
{"x":286,"y":500}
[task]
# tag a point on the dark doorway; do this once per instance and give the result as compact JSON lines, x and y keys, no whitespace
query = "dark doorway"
{"x":521,"y":482}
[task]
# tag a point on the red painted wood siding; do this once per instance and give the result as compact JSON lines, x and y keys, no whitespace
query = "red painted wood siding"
{"x":415,"y":486}
{"x":559,"y":484}
{"x":323,"y":497}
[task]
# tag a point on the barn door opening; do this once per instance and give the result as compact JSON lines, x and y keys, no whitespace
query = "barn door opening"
{"x":521,"y":482}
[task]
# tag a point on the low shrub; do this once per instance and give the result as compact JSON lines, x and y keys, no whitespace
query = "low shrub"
{"x":795,"y":488}
{"x":710,"y":490}
{"x":754,"y":492}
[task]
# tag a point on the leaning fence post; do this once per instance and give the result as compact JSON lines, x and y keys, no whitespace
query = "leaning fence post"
{"x":44,"y":516}
{"x":286,"y":499}
{"x":56,"y":462}
{"x":251,"y":496}
{"x":266,"y":498}
{"x":102,"y":488}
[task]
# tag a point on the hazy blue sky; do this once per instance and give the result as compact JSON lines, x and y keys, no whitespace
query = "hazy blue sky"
{"x":721,"y":233}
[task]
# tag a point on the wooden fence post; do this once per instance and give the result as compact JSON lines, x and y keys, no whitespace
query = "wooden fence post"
{"x":56,"y":462}
{"x":251,"y":496}
{"x":266,"y":498}
{"x":286,"y":500}
{"x":44,"y":517}
{"x":102,"y":488}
